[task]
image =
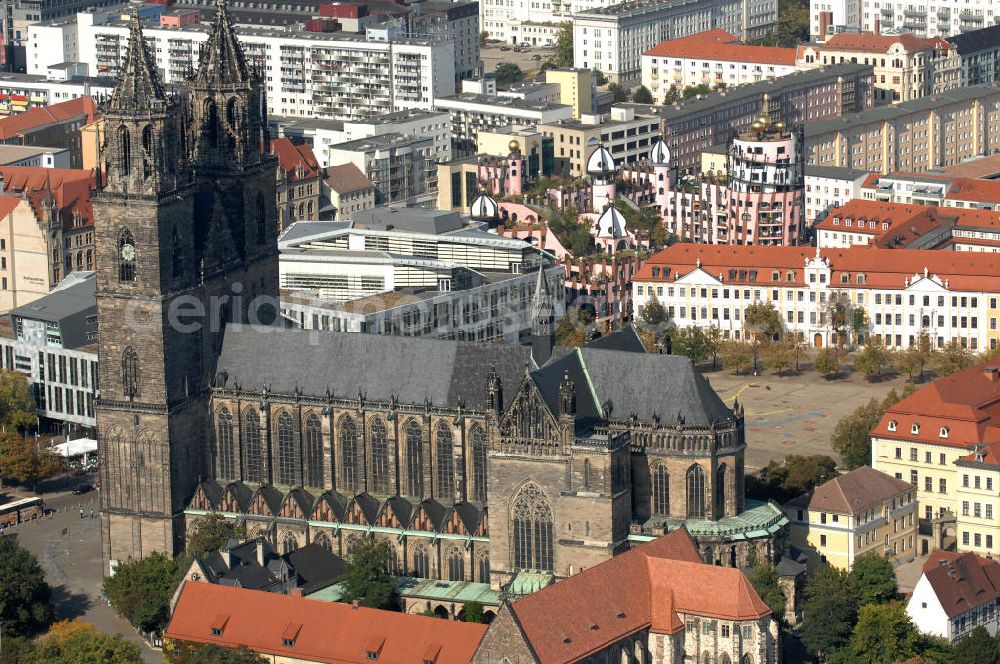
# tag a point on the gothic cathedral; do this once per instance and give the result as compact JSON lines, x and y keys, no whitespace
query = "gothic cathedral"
{"x":186,"y":232}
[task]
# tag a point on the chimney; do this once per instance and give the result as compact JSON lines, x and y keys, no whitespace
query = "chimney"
{"x":260,"y":552}
{"x":991,"y":373}
{"x":878,"y":27}
{"x":356,"y":604}
{"x":825,"y":19}
{"x":227,"y":557}
{"x":296,"y":592}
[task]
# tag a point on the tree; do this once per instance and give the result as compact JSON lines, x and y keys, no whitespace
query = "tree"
{"x":141,"y":589}
{"x":830,"y":610}
{"x":484,"y":36}
{"x":793,"y":24}
{"x":507,"y":74}
{"x":15,"y":401}
{"x":691,"y":341}
{"x":873,"y":358}
{"x":764,"y":578}
{"x":24,"y":594}
{"x":827,"y":362}
{"x":571,"y":328}
{"x":851,"y":436}
{"x":977,"y":648}
{"x":763,"y":323}
{"x":952,"y":358}
{"x":366,"y":579}
{"x":883,"y":634}
{"x":28,"y":460}
{"x":600,"y":78}
{"x":778,"y":356}
{"x":791,"y":477}
{"x":876,"y":578}
{"x":653,"y":313}
{"x":472,"y":612}
{"x":846,"y":319}
{"x":737,"y":356}
{"x":74,"y":642}
{"x":619,"y":94}
{"x":211,"y":534}
{"x":562,"y":54}
{"x":913,"y":360}
{"x":642,"y":95}
{"x":208,"y":653}
{"x":713,"y":342}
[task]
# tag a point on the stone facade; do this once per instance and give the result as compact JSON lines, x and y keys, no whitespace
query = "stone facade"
{"x":185,"y":221}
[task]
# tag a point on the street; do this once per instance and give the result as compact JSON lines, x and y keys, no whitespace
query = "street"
{"x":69,"y":549}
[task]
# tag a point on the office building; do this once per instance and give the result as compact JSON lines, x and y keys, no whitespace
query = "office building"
{"x":937,"y":18}
{"x":471,"y":112}
{"x":627,"y":133}
{"x":401,"y":167}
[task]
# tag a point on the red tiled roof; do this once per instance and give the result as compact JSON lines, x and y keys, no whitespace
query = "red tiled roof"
{"x":346,"y":178}
{"x":721,"y":45}
{"x":645,"y":588}
{"x":8,"y":204}
{"x":963,"y":581}
{"x":966,"y":403}
{"x":959,"y":188}
{"x":14,"y":125}
{"x":852,"y":492}
{"x":883,"y":268}
{"x":291,"y":156}
{"x":70,"y":188}
{"x":873,"y":43}
{"x":320,"y":631}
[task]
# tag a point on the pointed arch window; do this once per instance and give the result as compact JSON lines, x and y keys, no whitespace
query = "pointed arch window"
{"x":661,"y":490}
{"x":456,"y":565}
{"x":261,"y":219}
{"x":531,"y":518}
{"x":126,"y":256}
{"x":147,"y":151}
{"x":211,"y":123}
{"x":176,"y":264}
{"x":695,"y":482}
{"x":252,"y":445}
{"x":414,"y":460}
{"x":323,"y":539}
{"x":124,"y":151}
{"x":380,"y":456}
{"x":130,"y":373}
{"x":478,"y":436}
{"x":445,"y":462}
{"x":348,"y":454}
{"x":720,"y":490}
{"x":314,"y":451}
{"x":483,"y":567}
{"x":286,"y":449}
{"x":225,"y":448}
{"x":421,"y":562}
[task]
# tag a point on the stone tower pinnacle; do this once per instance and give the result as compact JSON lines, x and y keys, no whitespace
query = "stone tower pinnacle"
{"x":138,"y":87}
{"x":222,"y":57}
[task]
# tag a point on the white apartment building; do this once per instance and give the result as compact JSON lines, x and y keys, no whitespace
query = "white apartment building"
{"x":412,"y":272}
{"x":535,"y":22}
{"x":932,"y":189}
{"x":612,"y":39}
{"x":307,"y":74}
{"x":935,"y":18}
{"x":903,"y":291}
{"x":711,"y":58}
{"x":828,"y":187}
{"x":418,"y":123}
{"x":401,"y":167}
{"x":20,"y":92}
{"x":471,"y":112}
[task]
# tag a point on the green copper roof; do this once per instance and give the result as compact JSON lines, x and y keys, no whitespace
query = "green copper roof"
{"x":758,"y":520}
{"x":526,"y":583}
{"x":414,"y":587}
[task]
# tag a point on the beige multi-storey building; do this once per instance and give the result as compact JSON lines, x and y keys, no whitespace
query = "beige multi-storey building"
{"x":914,"y":136}
{"x":863,"y":511}
{"x":942,"y":439}
{"x":903,"y":63}
{"x":627,"y":135}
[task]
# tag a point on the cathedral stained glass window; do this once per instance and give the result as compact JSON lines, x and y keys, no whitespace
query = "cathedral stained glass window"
{"x":478,"y":436}
{"x":531,"y":518}
{"x":380,"y":456}
{"x":661,"y":490}
{"x":251,"y":443}
{"x":286,"y":449}
{"x":348,"y":453}
{"x":314,"y":451}
{"x":695,"y":492}
{"x":414,"y":460}
{"x":224,"y":440}
{"x":445,"y":463}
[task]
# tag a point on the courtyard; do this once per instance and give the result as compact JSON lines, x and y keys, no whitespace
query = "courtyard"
{"x":794,"y":414}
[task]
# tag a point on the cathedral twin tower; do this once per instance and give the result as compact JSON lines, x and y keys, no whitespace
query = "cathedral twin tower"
{"x":186,"y":219}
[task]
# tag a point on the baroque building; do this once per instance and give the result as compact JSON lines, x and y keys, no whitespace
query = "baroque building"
{"x":505,"y":464}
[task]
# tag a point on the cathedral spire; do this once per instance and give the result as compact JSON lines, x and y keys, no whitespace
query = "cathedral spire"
{"x":543,"y":319}
{"x":222,"y":57}
{"x":138,"y":87}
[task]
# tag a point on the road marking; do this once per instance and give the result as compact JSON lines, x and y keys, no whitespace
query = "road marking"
{"x":740,"y":390}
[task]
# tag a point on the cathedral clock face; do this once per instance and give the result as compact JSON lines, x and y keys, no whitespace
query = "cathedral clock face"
{"x":128,"y":252}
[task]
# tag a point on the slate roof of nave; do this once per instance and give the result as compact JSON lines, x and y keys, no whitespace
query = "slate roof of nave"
{"x":414,"y":370}
{"x":612,"y":383}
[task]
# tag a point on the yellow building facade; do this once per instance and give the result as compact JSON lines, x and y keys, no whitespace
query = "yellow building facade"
{"x":576,"y":89}
{"x":863,"y":511}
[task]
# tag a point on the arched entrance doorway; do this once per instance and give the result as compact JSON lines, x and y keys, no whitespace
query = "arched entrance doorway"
{"x":818,"y":340}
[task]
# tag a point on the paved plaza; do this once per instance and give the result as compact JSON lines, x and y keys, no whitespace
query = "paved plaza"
{"x":792,"y":414}
{"x":69,"y":549}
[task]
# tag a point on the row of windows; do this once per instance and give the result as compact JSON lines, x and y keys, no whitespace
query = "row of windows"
{"x":303,"y":465}
{"x":979,"y":510}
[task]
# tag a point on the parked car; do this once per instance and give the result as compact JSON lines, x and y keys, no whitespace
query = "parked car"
{"x":525,"y":45}
{"x":536,"y":57}
{"x":82,"y":489}
{"x":505,"y":48}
